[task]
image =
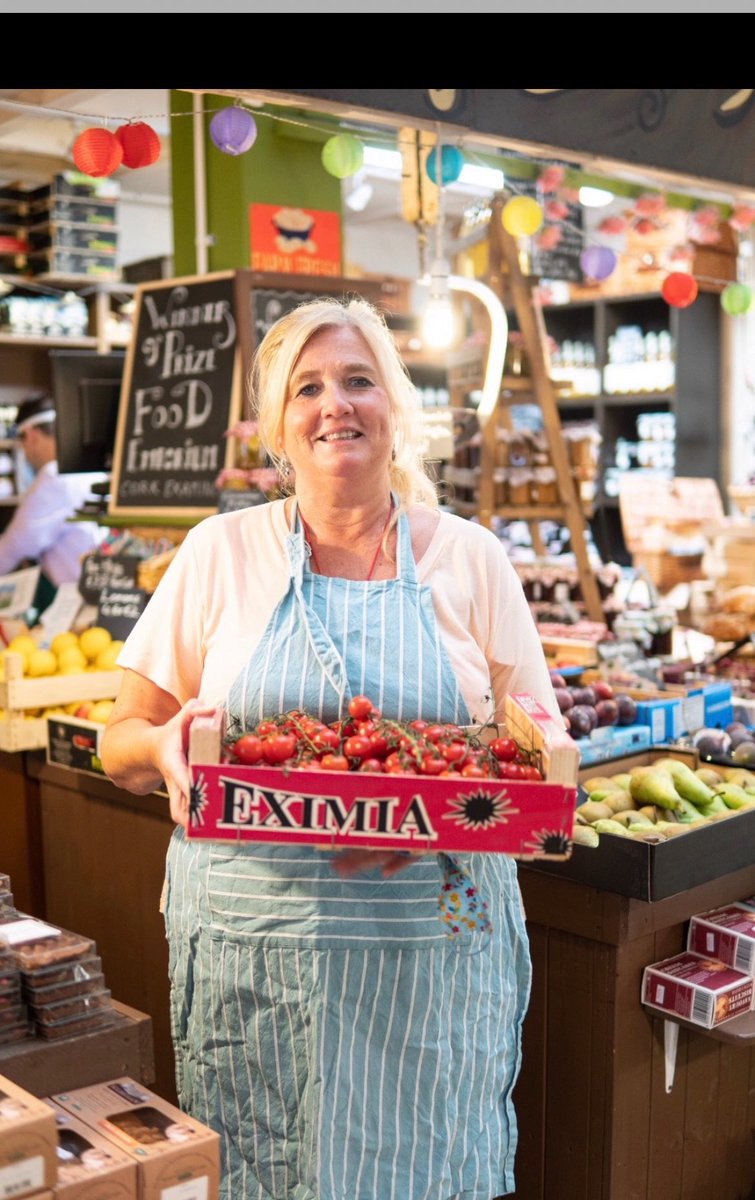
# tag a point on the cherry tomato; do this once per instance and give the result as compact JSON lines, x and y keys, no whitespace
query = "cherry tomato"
{"x":357,"y":746}
{"x":334,"y":762}
{"x":326,"y":739}
{"x":278,"y":747}
{"x":248,"y":749}
{"x":530,"y":771}
{"x":371,"y":764}
{"x":474,"y":770}
{"x":512,"y":770}
{"x":418,"y":726}
{"x":504,"y":748}
{"x":432,"y":764}
{"x":378,"y":745}
{"x":360,"y":707}
{"x":433,"y":733}
{"x":453,"y":752}
{"x":395,"y":764}
{"x":264,"y":728}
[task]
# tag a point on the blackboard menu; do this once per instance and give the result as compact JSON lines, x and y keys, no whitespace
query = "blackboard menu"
{"x":119,"y":609}
{"x":562,"y":262}
{"x":99,"y":571}
{"x":268,"y":304}
{"x":180,"y":395}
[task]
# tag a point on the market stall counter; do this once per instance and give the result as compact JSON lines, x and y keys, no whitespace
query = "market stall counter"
{"x":595,"y":1118}
{"x":102,"y":856}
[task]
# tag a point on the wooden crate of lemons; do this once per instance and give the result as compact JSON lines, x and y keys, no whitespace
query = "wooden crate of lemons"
{"x":75,"y":676}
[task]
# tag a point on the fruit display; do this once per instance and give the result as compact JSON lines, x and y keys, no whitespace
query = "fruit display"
{"x":585,"y":707}
{"x":733,"y":746}
{"x":76,"y":675}
{"x":662,"y":800}
{"x":367,"y":741}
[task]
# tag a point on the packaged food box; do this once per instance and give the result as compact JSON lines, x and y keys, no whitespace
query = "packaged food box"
{"x":235,"y":802}
{"x":177,"y":1155}
{"x":10,"y":1034}
{"x":73,"y":1006}
{"x":63,"y":235}
{"x":89,"y":1166}
{"x":79,"y":210}
{"x":697,"y":988}
{"x":7,"y":905}
{"x":726,"y":933}
{"x":34,"y":943}
{"x":76,"y":1025}
{"x":73,"y":989}
{"x":79,"y":971}
{"x":28,"y":1142}
{"x":72,"y":262}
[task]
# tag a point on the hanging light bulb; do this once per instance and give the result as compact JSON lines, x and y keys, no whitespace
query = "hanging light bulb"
{"x":439,"y":319}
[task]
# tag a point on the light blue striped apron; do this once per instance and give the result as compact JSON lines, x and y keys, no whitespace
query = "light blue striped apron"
{"x":343,"y":1048}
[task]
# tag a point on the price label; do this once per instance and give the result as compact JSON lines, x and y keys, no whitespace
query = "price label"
{"x":119,"y":609}
{"x":99,"y":571}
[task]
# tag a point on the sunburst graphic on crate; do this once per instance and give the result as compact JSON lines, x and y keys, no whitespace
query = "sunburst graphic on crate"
{"x":197,"y":800}
{"x":549,"y":841}
{"x":480,"y":810}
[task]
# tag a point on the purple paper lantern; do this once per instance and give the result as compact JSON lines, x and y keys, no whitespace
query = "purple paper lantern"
{"x":233,"y":130}
{"x":598,"y":262}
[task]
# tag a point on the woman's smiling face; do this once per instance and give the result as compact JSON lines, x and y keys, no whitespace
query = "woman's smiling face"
{"x":337,"y":418}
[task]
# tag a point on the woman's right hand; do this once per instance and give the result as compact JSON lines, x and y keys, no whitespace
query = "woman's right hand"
{"x":171,"y":757}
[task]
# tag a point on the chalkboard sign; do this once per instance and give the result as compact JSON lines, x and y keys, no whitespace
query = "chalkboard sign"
{"x":99,"y":571}
{"x":232,"y":499}
{"x":119,"y":609}
{"x":562,"y":262}
{"x":268,"y":304}
{"x":181,"y":392}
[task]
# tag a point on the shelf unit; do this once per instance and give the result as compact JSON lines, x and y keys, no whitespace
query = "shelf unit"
{"x":693,"y":399}
{"x":24,"y":358}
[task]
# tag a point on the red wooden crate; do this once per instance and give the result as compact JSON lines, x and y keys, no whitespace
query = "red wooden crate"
{"x":233,"y":802}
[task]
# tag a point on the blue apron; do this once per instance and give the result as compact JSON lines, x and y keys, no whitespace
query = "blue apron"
{"x":343,"y":1048}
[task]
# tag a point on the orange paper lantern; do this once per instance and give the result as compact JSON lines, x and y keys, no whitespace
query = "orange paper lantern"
{"x":679,"y":289}
{"x":97,"y":152}
{"x":140,"y":144}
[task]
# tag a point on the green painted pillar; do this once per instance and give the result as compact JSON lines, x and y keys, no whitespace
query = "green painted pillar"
{"x":283,"y":167}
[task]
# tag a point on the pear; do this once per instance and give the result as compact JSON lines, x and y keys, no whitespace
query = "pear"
{"x":598,"y":783}
{"x":650,"y":811}
{"x":593,"y":811}
{"x":709,"y":775}
{"x":739,"y":776}
{"x":671,"y":829}
{"x":585,"y":835}
{"x":649,"y":785}
{"x":689,"y":812}
{"x":734,"y":797}
{"x":619,"y":801}
{"x":686,"y":781}
{"x":631,"y":817}
{"x":621,"y":780}
{"x":611,"y":826}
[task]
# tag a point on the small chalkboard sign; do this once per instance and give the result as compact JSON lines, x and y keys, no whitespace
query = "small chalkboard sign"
{"x":562,"y":261}
{"x":232,"y":499}
{"x":119,"y":609}
{"x":99,"y":571}
{"x":181,"y":392}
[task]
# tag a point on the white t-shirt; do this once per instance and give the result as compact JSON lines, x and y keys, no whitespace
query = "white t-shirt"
{"x":214,"y":602}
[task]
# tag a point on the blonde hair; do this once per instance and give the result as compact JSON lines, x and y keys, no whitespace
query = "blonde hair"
{"x":278,"y":354}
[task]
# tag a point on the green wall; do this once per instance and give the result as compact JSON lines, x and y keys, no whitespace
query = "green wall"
{"x":282,"y":167}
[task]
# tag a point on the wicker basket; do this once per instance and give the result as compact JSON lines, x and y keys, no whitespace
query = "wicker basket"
{"x":151,"y":570}
{"x":666,"y":570}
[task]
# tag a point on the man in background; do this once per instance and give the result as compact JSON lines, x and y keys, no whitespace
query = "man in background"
{"x":39,"y":531}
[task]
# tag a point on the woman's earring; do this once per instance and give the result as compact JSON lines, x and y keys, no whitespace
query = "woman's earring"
{"x":285,"y":468}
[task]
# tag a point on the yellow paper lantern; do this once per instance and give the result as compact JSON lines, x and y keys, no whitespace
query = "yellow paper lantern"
{"x":522,"y":216}
{"x":342,"y":155}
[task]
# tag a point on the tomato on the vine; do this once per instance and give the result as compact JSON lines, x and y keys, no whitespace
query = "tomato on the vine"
{"x":504,"y":748}
{"x":326,"y":739}
{"x":248,"y":749}
{"x":357,"y":746}
{"x":360,"y":707}
{"x":334,"y":762}
{"x":278,"y":747}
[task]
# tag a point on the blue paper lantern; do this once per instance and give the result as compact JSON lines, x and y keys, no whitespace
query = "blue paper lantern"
{"x":233,"y":130}
{"x":451,"y":164}
{"x":598,"y":262}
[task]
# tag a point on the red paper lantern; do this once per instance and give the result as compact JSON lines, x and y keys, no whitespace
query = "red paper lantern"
{"x":140,"y":144}
{"x":679,"y":289}
{"x":97,"y":152}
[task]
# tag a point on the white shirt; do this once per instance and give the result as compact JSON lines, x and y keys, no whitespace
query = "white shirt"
{"x":40,"y":530}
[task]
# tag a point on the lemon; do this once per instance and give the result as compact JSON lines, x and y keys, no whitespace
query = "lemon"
{"x":63,"y":641}
{"x":41,"y":662}
{"x":71,"y":659}
{"x":93,"y":640}
{"x":101,"y":710}
{"x":105,"y":660}
{"x":24,"y":645}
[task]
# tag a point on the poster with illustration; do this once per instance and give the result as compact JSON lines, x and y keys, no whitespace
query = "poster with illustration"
{"x":294,"y":241}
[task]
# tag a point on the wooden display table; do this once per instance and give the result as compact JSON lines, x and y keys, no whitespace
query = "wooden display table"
{"x":595,"y":1120}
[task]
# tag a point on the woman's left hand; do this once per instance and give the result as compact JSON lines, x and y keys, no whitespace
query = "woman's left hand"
{"x":390,"y":862}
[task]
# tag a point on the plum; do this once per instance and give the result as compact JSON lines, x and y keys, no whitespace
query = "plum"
{"x":584,"y":695}
{"x":603,"y":689}
{"x":744,"y":754}
{"x":582,"y":720}
{"x":712,"y":743}
{"x":627,"y":708}
{"x":564,"y":698}
{"x":557,"y":679}
{"x":608,"y":712}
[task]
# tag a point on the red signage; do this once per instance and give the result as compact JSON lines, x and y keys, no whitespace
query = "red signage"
{"x":294,"y":241}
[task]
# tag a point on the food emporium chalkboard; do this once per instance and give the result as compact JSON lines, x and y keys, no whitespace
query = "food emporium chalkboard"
{"x":181,"y":392}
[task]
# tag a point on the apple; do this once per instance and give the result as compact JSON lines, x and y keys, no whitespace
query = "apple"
{"x":84,"y":710}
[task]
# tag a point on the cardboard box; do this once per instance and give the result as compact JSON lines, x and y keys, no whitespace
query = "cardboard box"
{"x":234,"y":802}
{"x":28,"y":1142}
{"x":663,"y":717}
{"x":89,"y":1166}
{"x":612,"y":742}
{"x":171,"y":1148}
{"x":726,"y":933}
{"x":697,"y":988}
{"x":651,"y":872}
